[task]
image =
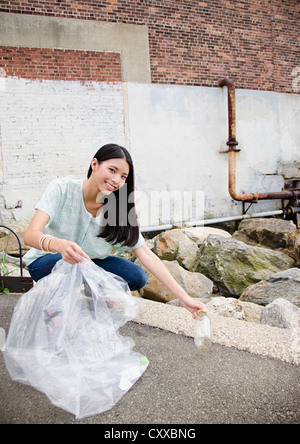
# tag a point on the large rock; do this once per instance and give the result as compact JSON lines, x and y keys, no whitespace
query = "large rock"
{"x":270,"y":233}
{"x":199,"y":234}
{"x":182,"y":244}
{"x":195,"y":284}
{"x":284,"y":285}
{"x":252,"y":312}
{"x":8,"y":239}
{"x":19,"y":226}
{"x":233,"y":265}
{"x":234,"y":308}
{"x":227,"y":307}
{"x":10,"y":244}
{"x":175,"y":245}
{"x":281,"y":313}
{"x":297,"y":249}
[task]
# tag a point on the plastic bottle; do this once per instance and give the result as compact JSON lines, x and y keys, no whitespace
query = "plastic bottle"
{"x":202,"y":330}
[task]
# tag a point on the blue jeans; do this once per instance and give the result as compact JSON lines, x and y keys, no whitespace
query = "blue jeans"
{"x":130,"y":272}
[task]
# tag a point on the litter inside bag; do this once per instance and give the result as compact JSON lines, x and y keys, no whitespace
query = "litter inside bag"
{"x":64,"y":339}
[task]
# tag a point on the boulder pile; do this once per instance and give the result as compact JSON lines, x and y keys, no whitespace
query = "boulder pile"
{"x":252,"y":275}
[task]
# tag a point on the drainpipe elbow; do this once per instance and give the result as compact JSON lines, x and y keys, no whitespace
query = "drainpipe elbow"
{"x":226,"y":82}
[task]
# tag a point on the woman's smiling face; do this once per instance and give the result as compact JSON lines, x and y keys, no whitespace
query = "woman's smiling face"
{"x":110,"y":175}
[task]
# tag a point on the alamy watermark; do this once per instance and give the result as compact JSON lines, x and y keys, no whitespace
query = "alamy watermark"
{"x":296,"y":79}
{"x":170,"y":207}
{"x":152,"y":208}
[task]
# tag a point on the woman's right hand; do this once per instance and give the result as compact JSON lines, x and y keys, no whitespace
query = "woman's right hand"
{"x":70,"y":251}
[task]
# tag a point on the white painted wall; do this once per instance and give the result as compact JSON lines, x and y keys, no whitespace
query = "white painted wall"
{"x":175,"y":133}
{"x":51,"y":129}
{"x":181,"y":131}
{"x":289,"y":125}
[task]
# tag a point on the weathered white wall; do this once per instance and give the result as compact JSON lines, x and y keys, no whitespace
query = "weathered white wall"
{"x":175,"y":133}
{"x":181,"y":131}
{"x":289,"y":124}
{"x":51,"y":129}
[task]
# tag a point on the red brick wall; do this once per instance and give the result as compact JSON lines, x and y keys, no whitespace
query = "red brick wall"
{"x":59,"y":64}
{"x":192,"y":42}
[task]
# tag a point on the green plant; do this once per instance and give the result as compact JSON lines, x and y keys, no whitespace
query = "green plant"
{"x":3,"y":289}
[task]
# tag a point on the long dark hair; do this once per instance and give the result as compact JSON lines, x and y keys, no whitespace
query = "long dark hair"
{"x":120,"y":214}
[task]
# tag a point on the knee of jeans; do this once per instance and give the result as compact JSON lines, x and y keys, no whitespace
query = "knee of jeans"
{"x":139,"y":282}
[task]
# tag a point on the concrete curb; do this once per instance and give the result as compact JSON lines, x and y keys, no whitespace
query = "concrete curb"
{"x":272,"y":342}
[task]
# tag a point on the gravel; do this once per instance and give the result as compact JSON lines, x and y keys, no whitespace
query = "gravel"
{"x":264,"y":340}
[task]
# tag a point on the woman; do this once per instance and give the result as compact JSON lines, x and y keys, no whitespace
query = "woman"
{"x":80,"y":220}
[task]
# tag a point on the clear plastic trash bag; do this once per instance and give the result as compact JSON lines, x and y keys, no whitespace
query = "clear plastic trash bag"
{"x":64,"y":340}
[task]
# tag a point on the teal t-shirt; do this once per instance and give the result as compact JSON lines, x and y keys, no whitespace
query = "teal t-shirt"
{"x":70,"y":220}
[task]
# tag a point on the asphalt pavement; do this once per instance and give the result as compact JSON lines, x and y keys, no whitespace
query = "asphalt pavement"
{"x":181,"y":386}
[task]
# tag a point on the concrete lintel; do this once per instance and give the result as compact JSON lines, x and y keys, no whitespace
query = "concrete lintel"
{"x":35,"y":31}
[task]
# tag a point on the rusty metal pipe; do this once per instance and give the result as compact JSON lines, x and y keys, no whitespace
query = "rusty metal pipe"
{"x":231,"y":112}
{"x":232,"y":150}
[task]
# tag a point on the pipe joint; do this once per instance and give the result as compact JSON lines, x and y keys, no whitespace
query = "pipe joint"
{"x":232,"y":144}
